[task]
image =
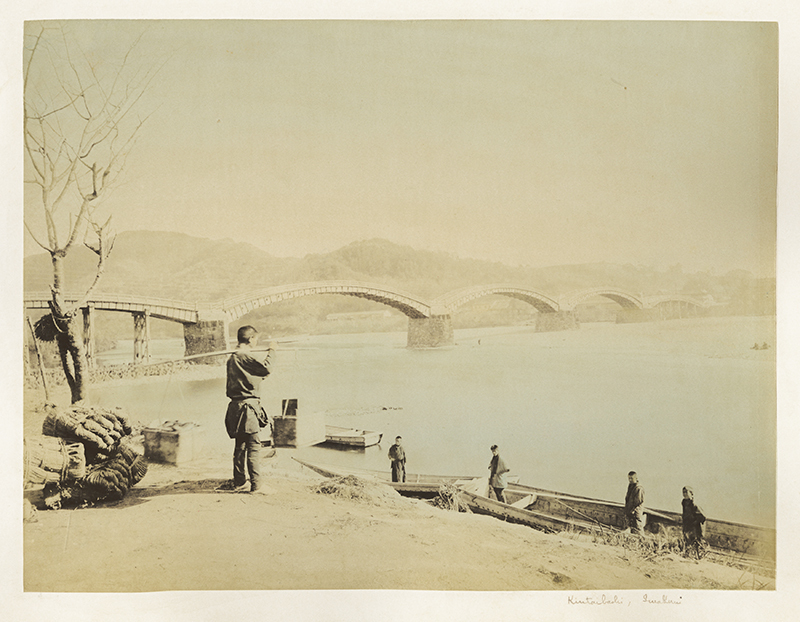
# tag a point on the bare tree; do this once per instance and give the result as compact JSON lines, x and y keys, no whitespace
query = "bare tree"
{"x":80,"y":124}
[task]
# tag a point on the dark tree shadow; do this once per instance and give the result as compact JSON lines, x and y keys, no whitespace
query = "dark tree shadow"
{"x":138,"y":495}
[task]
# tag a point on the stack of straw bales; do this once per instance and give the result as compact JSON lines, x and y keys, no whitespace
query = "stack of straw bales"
{"x":86,"y":455}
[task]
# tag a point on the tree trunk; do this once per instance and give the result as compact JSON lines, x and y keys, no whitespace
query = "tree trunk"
{"x":71,"y":347}
{"x":73,"y":357}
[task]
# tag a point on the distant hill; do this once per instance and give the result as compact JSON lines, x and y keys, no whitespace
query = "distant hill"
{"x":166,"y":265}
{"x":181,"y":267}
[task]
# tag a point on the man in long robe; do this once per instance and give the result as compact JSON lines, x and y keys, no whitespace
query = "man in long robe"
{"x":497,"y":474}
{"x":634,"y":504}
{"x":398,"y":457}
{"x":692,"y":518}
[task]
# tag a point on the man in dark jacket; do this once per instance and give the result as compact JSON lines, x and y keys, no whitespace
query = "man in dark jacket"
{"x":245,"y":416}
{"x":398,"y":457}
{"x":692,"y":519}
{"x":634,"y":504}
{"x":497,"y":474}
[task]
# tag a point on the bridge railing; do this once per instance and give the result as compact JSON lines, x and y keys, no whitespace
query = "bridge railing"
{"x":122,"y":298}
{"x":459,"y":296}
{"x":313,"y":285}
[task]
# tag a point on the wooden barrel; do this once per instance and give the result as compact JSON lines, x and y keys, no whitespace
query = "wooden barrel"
{"x":51,"y":459}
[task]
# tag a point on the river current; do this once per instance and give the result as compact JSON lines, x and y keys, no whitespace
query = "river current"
{"x":682,"y":402}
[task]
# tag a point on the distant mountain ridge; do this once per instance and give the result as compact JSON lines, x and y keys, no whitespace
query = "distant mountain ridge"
{"x":182,"y":267}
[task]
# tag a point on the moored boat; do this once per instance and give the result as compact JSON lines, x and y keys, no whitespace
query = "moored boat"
{"x":416,"y":485}
{"x":351,"y":437}
{"x":551,"y":510}
{"x":740,"y":538}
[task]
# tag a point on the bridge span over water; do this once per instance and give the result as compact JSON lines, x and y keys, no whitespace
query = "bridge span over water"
{"x":206,"y":325}
{"x":408,"y":304}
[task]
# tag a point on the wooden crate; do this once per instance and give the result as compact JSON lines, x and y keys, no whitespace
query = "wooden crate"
{"x":174,"y":442}
{"x":295,"y":428}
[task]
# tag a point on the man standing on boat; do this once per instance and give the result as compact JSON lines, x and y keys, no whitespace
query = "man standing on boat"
{"x":634,"y":504}
{"x":245,"y":415}
{"x":398,"y":457}
{"x":497,"y":474}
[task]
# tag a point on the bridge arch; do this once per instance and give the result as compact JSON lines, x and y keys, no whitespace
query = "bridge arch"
{"x":622,"y":298}
{"x":450,"y":302}
{"x":407,"y":304}
{"x":651,"y":302}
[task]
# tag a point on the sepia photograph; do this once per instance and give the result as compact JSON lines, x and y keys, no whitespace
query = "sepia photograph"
{"x":452,"y":312}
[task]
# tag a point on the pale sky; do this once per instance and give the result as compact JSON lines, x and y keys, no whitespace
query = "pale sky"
{"x":527,"y":142}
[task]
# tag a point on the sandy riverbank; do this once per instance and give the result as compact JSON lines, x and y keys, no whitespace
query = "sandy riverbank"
{"x":174,"y":531}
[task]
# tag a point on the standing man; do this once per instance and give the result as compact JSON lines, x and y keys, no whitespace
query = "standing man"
{"x":398,"y":457}
{"x":692,"y":519}
{"x":497,"y":474}
{"x":245,"y":416}
{"x":634,"y":504}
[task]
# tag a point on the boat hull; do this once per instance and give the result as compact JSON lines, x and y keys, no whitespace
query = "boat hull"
{"x":352,"y":437}
{"x":737,"y":537}
{"x":416,"y":485}
{"x":481,"y":504}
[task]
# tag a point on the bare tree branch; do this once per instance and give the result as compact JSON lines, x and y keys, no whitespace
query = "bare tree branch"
{"x":102,"y":250}
{"x":80,"y":220}
{"x":30,"y":60}
{"x":30,"y":152}
{"x":35,"y":239}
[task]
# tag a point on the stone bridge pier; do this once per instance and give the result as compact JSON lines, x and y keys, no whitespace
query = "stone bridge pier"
{"x":430,"y":332}
{"x":208,"y":334}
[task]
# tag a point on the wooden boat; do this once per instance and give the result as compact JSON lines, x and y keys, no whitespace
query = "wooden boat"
{"x":351,"y":436}
{"x":520,"y":508}
{"x":416,"y":485}
{"x":752,"y":540}
{"x":748,"y":542}
{"x":554,"y":511}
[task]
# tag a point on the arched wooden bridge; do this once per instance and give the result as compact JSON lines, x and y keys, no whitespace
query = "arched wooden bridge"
{"x":206,"y":324}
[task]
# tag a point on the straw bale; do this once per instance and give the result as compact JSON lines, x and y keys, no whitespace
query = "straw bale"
{"x":49,"y":459}
{"x":107,"y":480}
{"x":99,"y":428}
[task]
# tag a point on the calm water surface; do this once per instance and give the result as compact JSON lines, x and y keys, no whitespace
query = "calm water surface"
{"x":686,"y":402}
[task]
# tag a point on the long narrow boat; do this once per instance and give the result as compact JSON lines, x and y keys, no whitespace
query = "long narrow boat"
{"x":520,"y":509}
{"x":555,"y":511}
{"x":741,"y":538}
{"x":416,"y":485}
{"x":351,"y":437}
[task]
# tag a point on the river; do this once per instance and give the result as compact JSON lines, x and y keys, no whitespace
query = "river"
{"x":682,"y":402}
